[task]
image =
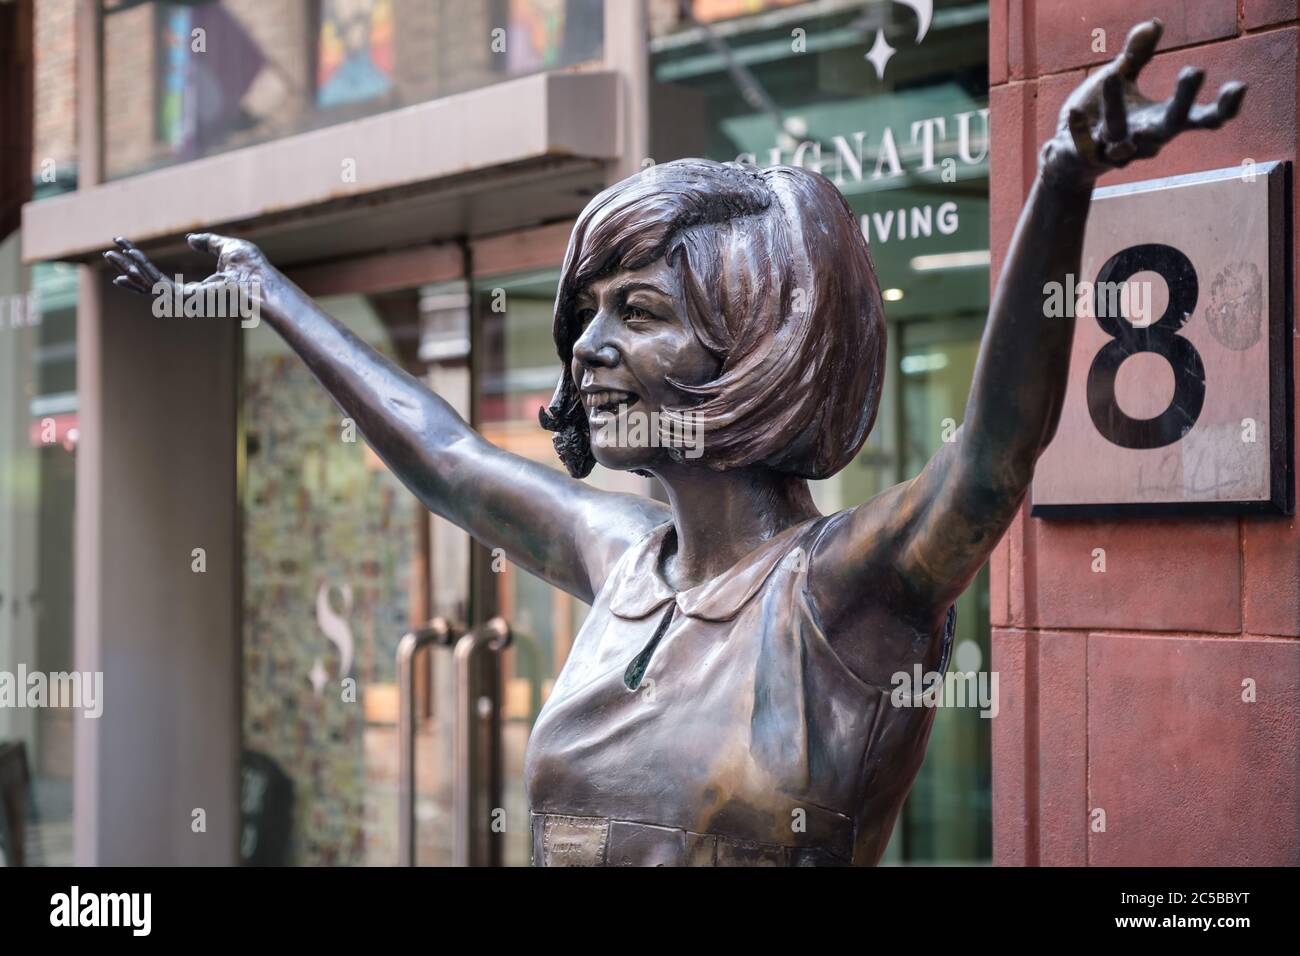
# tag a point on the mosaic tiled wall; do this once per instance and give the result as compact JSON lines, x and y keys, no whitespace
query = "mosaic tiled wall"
{"x":317,"y":515}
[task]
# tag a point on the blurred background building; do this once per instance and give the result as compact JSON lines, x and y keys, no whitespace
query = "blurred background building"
{"x":416,"y":165}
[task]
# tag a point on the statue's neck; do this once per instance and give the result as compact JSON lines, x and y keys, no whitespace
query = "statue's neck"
{"x":721,"y":516}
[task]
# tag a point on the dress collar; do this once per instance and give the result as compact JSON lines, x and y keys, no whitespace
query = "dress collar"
{"x":638,"y":589}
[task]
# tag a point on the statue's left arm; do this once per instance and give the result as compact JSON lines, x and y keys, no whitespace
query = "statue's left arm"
{"x":934,"y":532}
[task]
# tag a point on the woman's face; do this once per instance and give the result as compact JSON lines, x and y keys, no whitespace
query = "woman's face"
{"x":634,"y":338}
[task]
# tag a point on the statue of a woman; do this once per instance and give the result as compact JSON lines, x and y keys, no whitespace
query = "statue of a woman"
{"x":728,"y":699}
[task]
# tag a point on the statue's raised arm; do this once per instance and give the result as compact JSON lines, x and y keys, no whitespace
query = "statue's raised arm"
{"x":564,"y":530}
{"x":932,"y":534}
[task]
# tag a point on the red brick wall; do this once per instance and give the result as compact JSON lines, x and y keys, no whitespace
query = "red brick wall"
{"x":129,"y":90}
{"x":1122,"y":691}
{"x":55,"y":116}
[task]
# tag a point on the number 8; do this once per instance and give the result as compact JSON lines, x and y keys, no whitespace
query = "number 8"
{"x":1160,"y":337}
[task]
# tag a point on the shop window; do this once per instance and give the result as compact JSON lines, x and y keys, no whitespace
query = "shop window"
{"x":356,"y":52}
{"x":185,"y":80}
{"x":38,"y":442}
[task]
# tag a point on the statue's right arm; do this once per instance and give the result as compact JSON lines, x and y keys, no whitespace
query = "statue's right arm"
{"x":563,"y":530}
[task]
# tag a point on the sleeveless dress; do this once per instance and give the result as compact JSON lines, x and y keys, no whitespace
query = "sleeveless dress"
{"x":716,"y":726}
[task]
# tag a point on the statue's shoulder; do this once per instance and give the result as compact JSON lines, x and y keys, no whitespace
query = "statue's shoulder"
{"x":859,"y":532}
{"x":637,"y":532}
{"x":854,"y":560}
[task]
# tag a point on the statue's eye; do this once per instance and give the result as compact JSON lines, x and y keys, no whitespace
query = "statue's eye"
{"x":632,"y":314}
{"x":585,"y":316}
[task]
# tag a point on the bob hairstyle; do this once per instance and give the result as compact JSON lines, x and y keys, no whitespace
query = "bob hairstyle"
{"x":779,"y":287}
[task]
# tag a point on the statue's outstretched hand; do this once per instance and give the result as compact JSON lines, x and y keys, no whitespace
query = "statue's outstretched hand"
{"x":1107,"y":121}
{"x":239,"y":263}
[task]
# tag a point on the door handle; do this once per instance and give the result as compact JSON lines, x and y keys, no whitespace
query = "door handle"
{"x":477,"y":749}
{"x":438,"y":633}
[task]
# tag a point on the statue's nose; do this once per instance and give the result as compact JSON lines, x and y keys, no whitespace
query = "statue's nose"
{"x":590,"y":352}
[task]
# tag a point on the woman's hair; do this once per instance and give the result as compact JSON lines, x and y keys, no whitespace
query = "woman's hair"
{"x":779,"y":287}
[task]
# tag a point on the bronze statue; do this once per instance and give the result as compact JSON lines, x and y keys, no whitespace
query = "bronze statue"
{"x":728,"y":700}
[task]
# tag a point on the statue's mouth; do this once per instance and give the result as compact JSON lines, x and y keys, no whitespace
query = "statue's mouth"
{"x":607,"y":400}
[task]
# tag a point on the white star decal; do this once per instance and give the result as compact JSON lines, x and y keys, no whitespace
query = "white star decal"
{"x":880,"y":53}
{"x":318,"y":676}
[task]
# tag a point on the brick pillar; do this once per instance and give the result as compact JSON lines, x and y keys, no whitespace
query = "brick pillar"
{"x":1122,"y":691}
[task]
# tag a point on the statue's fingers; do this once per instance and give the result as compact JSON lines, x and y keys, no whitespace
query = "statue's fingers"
{"x":1081,"y":133}
{"x":125,"y":266}
{"x":117,"y":260}
{"x":206,"y":242}
{"x":151,"y":271}
{"x":1224,"y":109}
{"x":1119,"y":154}
{"x":131,"y":279}
{"x":1114,"y":112}
{"x":1148,"y":141}
{"x":1180,"y":104}
{"x":1230,"y":96}
{"x":1139,"y":48}
{"x":126,"y":282}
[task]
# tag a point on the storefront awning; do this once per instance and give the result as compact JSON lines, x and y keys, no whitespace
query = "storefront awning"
{"x":509,"y":155}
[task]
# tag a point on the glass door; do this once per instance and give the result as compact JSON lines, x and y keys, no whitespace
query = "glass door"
{"x":38,"y":442}
{"x":336,"y":558}
{"x":948,"y":815}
